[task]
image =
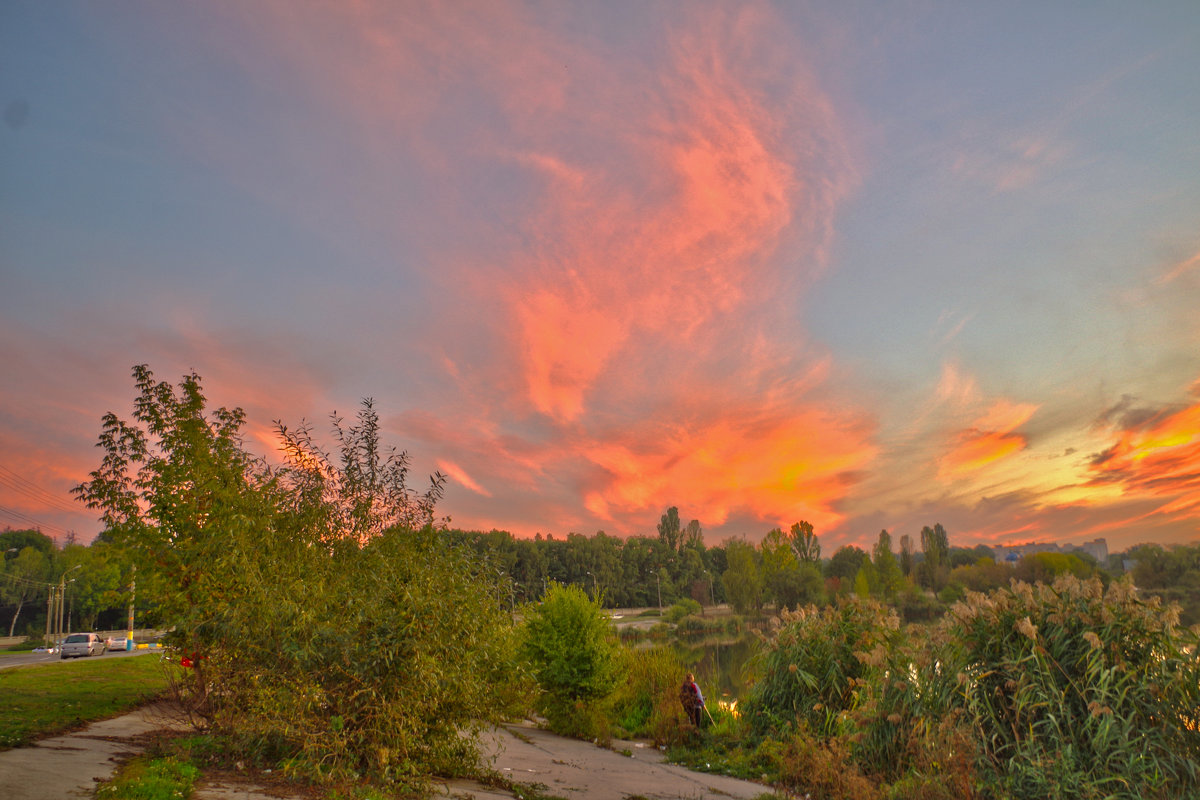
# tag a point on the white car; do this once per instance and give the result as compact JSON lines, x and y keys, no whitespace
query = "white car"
{"x":113,"y":643}
{"x":78,"y":645}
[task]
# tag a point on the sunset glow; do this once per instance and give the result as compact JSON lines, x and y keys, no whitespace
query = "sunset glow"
{"x":876,"y":266}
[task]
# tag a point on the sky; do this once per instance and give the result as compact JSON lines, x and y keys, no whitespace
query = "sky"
{"x":872,"y":265}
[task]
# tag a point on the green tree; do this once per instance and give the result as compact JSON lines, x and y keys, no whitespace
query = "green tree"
{"x":742,"y":579}
{"x":983,"y":576}
{"x":780,"y":569}
{"x":887,"y":571}
{"x":934,"y":570}
{"x":325,"y":630}
{"x":866,"y":582}
{"x":906,"y":555}
{"x":574,"y":656}
{"x":693,"y":536}
{"x":804,"y":543}
{"x":18,"y":540}
{"x":24,"y":579}
{"x":669,"y":530}
{"x":845,"y":564}
{"x":1045,"y":567}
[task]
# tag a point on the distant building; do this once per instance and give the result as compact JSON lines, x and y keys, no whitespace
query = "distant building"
{"x":1097,"y":549}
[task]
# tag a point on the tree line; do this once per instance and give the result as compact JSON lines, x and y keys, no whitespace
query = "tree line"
{"x":785,"y":570}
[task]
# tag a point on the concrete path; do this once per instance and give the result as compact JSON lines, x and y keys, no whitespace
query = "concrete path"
{"x":583,"y":771}
{"x":69,"y":766}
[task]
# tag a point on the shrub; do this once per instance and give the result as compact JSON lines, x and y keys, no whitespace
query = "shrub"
{"x":330,"y":625}
{"x":1079,"y":692}
{"x":646,"y":704}
{"x":693,"y":627}
{"x":681,"y":609}
{"x":813,"y":664}
{"x":573,"y":655}
{"x":847,"y":684}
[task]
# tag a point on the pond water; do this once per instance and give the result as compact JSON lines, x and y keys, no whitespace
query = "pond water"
{"x":723,"y":668}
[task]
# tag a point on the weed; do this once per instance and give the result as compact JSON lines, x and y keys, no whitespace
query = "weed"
{"x":151,"y":778}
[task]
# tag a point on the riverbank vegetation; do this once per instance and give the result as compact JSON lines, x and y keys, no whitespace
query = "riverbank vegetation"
{"x":1063,"y":690}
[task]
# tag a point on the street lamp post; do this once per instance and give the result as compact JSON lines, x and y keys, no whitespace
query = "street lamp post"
{"x":62,"y":588}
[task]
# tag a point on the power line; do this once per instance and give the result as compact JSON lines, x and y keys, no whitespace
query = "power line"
{"x":31,"y":490}
{"x":26,"y":581}
{"x":28,"y":520}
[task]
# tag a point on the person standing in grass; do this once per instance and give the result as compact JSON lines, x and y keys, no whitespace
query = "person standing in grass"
{"x":692,"y":699}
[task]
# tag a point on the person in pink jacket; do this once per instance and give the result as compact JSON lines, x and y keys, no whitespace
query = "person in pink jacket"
{"x":692,"y":699}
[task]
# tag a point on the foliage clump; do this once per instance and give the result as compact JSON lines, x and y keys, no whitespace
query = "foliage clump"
{"x":329,"y":624}
{"x":646,"y":703}
{"x":681,"y":609}
{"x":1070,"y":690}
{"x":574,"y":656}
{"x":1080,"y":691}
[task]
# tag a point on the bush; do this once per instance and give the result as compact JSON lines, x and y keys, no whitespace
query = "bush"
{"x":812,"y":666}
{"x":681,"y":609}
{"x":574,"y":657}
{"x":846,"y":689}
{"x":331,"y":626}
{"x":1079,"y":692}
{"x":647,"y":702}
{"x":693,"y":627}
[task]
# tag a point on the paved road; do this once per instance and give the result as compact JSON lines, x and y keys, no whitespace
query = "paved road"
{"x":24,"y":659}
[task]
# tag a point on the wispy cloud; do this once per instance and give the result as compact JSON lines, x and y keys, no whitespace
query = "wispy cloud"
{"x":1178,"y":270}
{"x":991,"y":438}
{"x":1154,"y":455}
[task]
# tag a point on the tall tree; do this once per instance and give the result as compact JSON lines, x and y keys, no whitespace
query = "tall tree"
{"x":887,"y":571}
{"x":669,"y":530}
{"x":25,"y":577}
{"x":743,"y":576}
{"x":934,"y":569}
{"x":906,"y":555}
{"x":304,"y":582}
{"x":804,"y":543}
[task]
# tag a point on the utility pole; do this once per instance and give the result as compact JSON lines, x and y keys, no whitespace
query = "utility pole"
{"x":49,"y":610}
{"x":132,"y":591}
{"x":62,"y":589}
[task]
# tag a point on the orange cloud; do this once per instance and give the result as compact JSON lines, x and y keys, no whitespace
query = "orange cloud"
{"x":675,"y":228}
{"x":1158,"y":456}
{"x":991,"y":439}
{"x":772,"y":463}
{"x":632,"y":224}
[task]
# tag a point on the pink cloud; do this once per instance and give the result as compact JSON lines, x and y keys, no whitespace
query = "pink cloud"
{"x":458,"y":474}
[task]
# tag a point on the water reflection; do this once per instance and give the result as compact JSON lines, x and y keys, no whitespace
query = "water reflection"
{"x":723,"y":668}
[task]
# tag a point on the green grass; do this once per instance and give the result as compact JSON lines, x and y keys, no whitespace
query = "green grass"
{"x":46,"y":699}
{"x":151,"y":779}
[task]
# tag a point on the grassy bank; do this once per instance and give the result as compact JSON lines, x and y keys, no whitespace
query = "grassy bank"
{"x":45,"y":699}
